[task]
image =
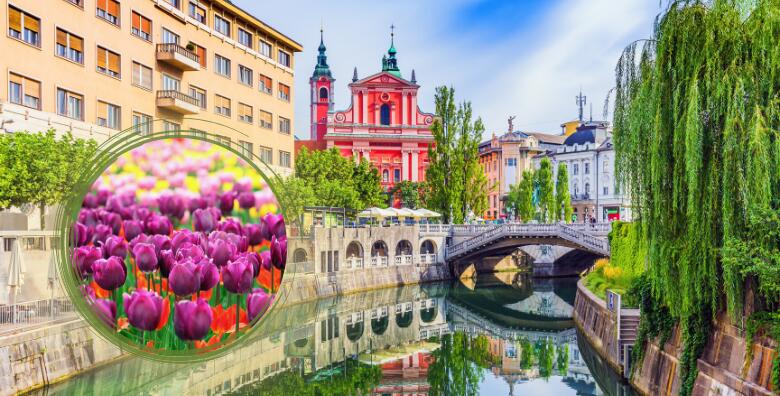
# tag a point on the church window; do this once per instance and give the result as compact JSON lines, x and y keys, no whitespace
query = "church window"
{"x":385,"y":176}
{"x":384,"y":114}
{"x":323,"y":93}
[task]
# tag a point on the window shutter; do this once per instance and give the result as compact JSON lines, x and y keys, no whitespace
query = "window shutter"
{"x":32,"y":88}
{"x":17,"y":79}
{"x":201,"y":51}
{"x":32,"y":23}
{"x":102,"y":110}
{"x":101,"y":57}
{"x":15,"y":19}
{"x":113,"y":8}
{"x":146,"y":25}
{"x":146,"y":74}
{"x":62,"y":37}
{"x":113,"y":62}
{"x":102,"y":4}
{"x":136,"y":20}
{"x":136,"y":73}
{"x":77,"y":43}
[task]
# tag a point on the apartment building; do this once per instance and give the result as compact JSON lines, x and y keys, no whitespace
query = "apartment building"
{"x":97,"y":67}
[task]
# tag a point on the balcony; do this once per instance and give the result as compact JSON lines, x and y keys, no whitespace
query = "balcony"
{"x":178,"y":56}
{"x":178,"y":102}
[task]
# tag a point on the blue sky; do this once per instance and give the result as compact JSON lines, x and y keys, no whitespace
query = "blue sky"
{"x":522,"y":58}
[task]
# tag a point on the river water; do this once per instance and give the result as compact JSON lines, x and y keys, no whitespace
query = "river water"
{"x":503,"y":334}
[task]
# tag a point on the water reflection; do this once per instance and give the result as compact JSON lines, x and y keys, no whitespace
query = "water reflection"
{"x":500,"y":335}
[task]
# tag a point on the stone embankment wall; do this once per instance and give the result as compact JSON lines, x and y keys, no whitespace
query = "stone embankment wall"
{"x":597,"y":324}
{"x":723,"y":369}
{"x":41,"y":355}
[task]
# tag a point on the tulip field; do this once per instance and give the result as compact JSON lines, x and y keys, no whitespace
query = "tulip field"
{"x":179,"y":245}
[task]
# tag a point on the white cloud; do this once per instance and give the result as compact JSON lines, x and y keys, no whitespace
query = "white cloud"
{"x":533,"y":72}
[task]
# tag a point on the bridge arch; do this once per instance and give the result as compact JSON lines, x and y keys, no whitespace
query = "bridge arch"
{"x":404,"y":248}
{"x":379,"y":325}
{"x":379,"y":249}
{"x":428,"y":315}
{"x":299,"y":255}
{"x":404,"y":319}
{"x":428,"y":247}
{"x":354,"y":249}
{"x":355,"y":331}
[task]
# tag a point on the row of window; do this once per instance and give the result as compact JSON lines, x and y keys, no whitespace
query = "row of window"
{"x":141,"y":26}
{"x":386,"y":176}
{"x":27,"y":92}
{"x":222,"y":66}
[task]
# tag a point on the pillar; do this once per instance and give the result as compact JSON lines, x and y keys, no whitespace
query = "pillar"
{"x":404,"y":165}
{"x":404,"y":108}
{"x":415,"y":166}
{"x":364,"y":118}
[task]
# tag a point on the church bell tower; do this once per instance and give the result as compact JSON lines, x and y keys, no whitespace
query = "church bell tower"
{"x":321,"y":83}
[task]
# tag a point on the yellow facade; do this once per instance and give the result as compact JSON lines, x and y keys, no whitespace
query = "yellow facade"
{"x":98,"y":66}
{"x":570,"y":127}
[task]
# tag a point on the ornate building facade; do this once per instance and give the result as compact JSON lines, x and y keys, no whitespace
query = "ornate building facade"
{"x":382,"y":124}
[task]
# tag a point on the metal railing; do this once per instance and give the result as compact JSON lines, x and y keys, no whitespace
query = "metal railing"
{"x":172,"y":48}
{"x":34,"y":312}
{"x":173,"y":94}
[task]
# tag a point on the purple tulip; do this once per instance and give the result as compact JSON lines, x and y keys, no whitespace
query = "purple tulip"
{"x":161,"y":242}
{"x":172,"y":205}
{"x":192,"y":319}
{"x":90,"y":201}
{"x":253,"y":259}
{"x":80,"y":234}
{"x":102,"y":232}
{"x":230,"y":226}
{"x":102,"y":196}
{"x":133,"y":228}
{"x":226,"y":202}
{"x":209,"y":274}
{"x":112,"y":220}
{"x":274,"y":225}
{"x":156,"y":224}
{"x":246,"y":200}
{"x":106,"y":310}
{"x":114,"y":204}
{"x":115,"y":246}
{"x":265,"y":259}
{"x":145,"y":257}
{"x":141,"y":213}
{"x":89,"y":218}
{"x":184,"y":278}
{"x":221,"y":251}
{"x":110,"y":273}
{"x":143,"y":309}
{"x":166,"y":261}
{"x":194,"y":252}
{"x":256,"y":303}
{"x":182,"y":237}
{"x":197,"y":203}
{"x":279,"y":252}
{"x":84,"y":256}
{"x":237,"y":276}
{"x":254,"y":234}
{"x":205,"y":220}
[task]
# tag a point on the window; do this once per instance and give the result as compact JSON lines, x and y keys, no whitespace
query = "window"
{"x":198,"y":133}
{"x":24,"y":91}
{"x":511,"y":162}
{"x":284,"y":159}
{"x":265,"y":48}
{"x":223,"y":140}
{"x":169,"y":37}
{"x":170,"y":83}
{"x":245,"y":75}
{"x":605,"y":166}
{"x":222,"y":105}
{"x":266,"y":84}
{"x":141,"y":26}
{"x":266,"y":120}
{"x":284,"y":92}
{"x":384,"y":114}
{"x":142,"y":123}
{"x":606,"y":190}
{"x":108,"y":115}
{"x":197,"y":12}
{"x":222,"y":65}
{"x":397,"y":175}
{"x":576,"y":169}
{"x":70,"y":104}
{"x":23,"y":26}
{"x":385,"y":176}
{"x":245,"y":148}
{"x":245,"y":113}
{"x":323,"y":93}
{"x":245,"y":38}
{"x":199,"y":94}
{"x":587,"y":168}
{"x":77,"y":3}
{"x":70,"y":46}
{"x":284,"y":58}
{"x":201,"y":52}
{"x":222,"y":25}
{"x":284,"y":125}
{"x":174,"y":3}
{"x":108,"y":62}
{"x":108,"y":10}
{"x":171,"y":126}
{"x":266,"y":155}
{"x":142,"y":76}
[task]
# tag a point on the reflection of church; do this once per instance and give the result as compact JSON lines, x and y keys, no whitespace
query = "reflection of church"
{"x":382,"y":123}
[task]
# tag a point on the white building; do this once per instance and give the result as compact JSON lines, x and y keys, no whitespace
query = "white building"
{"x":590,"y":157}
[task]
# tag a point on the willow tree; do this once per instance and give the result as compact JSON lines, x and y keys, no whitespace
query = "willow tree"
{"x":562,"y":195}
{"x":696,"y":135}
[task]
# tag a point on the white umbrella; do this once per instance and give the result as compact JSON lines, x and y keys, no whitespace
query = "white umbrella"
{"x":427,"y":213}
{"x":15,"y":276}
{"x":53,"y":275}
{"x":404,"y":212}
{"x":377,"y":213}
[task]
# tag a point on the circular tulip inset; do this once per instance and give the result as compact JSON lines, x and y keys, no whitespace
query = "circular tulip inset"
{"x":179,"y":247}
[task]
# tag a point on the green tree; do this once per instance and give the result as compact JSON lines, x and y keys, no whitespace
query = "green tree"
{"x":408,"y":192}
{"x":41,"y":168}
{"x":562,"y":196}
{"x":456,"y":183}
{"x":546,"y":191}
{"x":521,"y":197}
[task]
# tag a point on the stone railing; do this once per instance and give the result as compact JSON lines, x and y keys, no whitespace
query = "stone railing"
{"x":379,"y":261}
{"x":306,"y":267}
{"x":407,"y":259}
{"x":354,"y":262}
{"x":427,"y":259}
{"x":584,"y":239}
